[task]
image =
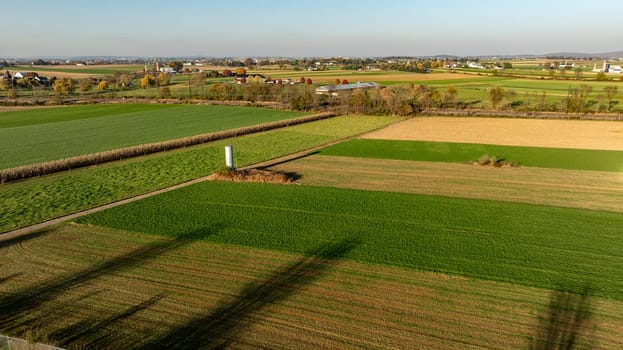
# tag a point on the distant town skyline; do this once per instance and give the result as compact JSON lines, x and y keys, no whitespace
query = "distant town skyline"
{"x":41,"y":28}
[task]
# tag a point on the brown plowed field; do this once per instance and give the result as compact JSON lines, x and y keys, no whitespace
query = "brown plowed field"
{"x":584,"y":134}
{"x":555,"y":187}
{"x":90,"y":287}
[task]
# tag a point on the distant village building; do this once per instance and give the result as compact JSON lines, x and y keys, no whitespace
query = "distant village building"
{"x":334,"y":90}
{"x":475,"y":65}
{"x":608,"y":68}
{"x":168,"y":70}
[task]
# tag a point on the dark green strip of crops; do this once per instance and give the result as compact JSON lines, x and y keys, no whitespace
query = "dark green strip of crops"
{"x":541,"y":157}
{"x":539,"y":246}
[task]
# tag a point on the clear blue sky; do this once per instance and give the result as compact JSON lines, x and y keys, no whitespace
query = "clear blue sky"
{"x":308,"y":28}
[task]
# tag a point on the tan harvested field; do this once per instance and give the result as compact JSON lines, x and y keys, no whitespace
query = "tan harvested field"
{"x":389,"y":76}
{"x":584,"y":134}
{"x":554,"y":187}
{"x":90,"y":287}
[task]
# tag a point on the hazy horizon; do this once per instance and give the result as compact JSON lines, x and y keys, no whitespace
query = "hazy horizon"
{"x":323,"y":28}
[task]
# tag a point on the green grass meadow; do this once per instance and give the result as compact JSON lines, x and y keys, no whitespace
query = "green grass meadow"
{"x":541,"y":157}
{"x":47,"y":134}
{"x":547,"y":247}
{"x":39,"y":199}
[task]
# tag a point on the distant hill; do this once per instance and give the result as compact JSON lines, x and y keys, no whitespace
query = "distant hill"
{"x":613,"y":54}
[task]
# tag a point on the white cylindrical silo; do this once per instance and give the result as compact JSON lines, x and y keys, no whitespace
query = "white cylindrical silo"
{"x":229,"y":157}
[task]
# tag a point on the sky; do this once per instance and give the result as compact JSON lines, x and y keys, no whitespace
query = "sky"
{"x":319,"y":28}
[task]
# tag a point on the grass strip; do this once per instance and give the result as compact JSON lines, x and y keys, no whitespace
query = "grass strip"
{"x":449,"y":152}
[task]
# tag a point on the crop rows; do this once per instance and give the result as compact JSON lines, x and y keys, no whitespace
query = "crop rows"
{"x":49,"y":134}
{"x":119,"y":289}
{"x":548,"y":247}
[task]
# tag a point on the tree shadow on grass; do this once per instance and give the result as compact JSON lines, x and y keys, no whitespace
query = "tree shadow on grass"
{"x":15,"y":307}
{"x":566,"y":324}
{"x":223,"y":326}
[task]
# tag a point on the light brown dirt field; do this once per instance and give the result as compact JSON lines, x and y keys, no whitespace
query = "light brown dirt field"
{"x":390,"y":76}
{"x":552,"y":187}
{"x":584,"y":134}
{"x":90,"y":287}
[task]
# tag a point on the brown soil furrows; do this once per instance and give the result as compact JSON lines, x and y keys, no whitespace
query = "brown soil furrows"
{"x":341,"y":304}
{"x":555,"y":187}
{"x":582,"y":134}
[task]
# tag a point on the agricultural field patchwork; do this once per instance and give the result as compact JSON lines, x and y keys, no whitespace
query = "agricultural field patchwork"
{"x":106,"y":288}
{"x":592,"y":190}
{"x":384,"y":243}
{"x":557,"y":248}
{"x":40,"y":135}
{"x":39,"y":199}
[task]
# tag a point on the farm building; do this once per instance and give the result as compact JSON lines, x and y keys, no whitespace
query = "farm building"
{"x":334,"y":90}
{"x":608,"y":68}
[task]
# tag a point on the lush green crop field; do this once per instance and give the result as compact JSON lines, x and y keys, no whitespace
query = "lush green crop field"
{"x":558,"y":158}
{"x":534,"y":245}
{"x":35,"y":200}
{"x":54,"y":133}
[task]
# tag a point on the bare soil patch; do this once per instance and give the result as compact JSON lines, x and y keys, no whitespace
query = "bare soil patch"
{"x":122,"y":290}
{"x":555,"y":187}
{"x":583,"y":134}
{"x":254,"y":175}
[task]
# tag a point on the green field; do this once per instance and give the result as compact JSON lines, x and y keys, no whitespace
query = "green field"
{"x":40,"y":135}
{"x":547,"y":247}
{"x":558,"y":158}
{"x":38,"y":199}
{"x":96,"y":70}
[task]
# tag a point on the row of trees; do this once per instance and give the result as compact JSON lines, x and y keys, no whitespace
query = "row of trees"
{"x":577,"y":100}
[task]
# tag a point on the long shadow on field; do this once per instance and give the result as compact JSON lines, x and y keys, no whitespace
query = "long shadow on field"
{"x":221,"y":327}
{"x":566,"y":324}
{"x":14,"y":308}
{"x":4,"y":243}
{"x":288,"y":160}
{"x":94,"y":333}
{"x":10,"y":277}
